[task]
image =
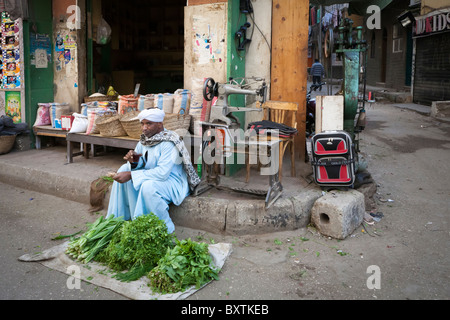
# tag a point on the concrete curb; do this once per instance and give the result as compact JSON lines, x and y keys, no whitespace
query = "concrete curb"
{"x":421,"y":109}
{"x":215,"y":211}
{"x":74,"y":189}
{"x":211,"y":213}
{"x":246,"y":216}
{"x":394,"y":96}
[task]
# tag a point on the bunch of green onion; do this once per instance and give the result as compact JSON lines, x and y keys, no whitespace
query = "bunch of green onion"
{"x":98,"y":235}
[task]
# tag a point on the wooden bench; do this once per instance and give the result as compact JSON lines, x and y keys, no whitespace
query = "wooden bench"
{"x":93,"y":140}
{"x":96,"y":139}
{"x":47,"y":131}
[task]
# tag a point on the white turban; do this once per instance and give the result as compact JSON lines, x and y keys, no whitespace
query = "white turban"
{"x":154,"y":115}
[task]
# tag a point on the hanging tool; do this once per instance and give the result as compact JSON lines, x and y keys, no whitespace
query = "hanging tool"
{"x":241,"y":36}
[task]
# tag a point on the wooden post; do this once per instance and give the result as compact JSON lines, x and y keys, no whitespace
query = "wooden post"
{"x":290,"y":59}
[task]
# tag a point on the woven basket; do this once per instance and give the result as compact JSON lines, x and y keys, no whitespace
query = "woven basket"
{"x":109,"y":125}
{"x":6,"y":143}
{"x":132,"y":126}
{"x":173,"y":121}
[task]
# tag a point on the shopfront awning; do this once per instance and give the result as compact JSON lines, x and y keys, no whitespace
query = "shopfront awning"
{"x":358,"y":7}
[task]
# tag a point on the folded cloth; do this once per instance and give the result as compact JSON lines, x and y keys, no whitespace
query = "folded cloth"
{"x":261,"y":127}
{"x":7,"y":121}
{"x":9,"y":128}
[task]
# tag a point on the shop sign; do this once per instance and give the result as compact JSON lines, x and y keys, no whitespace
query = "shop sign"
{"x":432,"y":23}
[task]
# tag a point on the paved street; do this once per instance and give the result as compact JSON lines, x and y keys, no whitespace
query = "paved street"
{"x":407,"y":156}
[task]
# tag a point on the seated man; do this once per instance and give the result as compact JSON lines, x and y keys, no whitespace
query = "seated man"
{"x":154,"y":175}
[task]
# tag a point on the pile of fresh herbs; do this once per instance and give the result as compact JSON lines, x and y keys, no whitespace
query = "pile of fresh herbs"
{"x":144,"y":247}
{"x":185,"y":265}
{"x":137,"y":247}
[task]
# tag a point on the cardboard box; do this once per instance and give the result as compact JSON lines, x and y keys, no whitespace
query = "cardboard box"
{"x":66,"y":121}
{"x":329,"y":113}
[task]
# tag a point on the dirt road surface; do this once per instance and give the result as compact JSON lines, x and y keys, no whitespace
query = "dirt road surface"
{"x":404,"y":255}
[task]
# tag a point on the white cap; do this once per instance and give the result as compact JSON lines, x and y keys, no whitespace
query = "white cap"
{"x":154,"y":115}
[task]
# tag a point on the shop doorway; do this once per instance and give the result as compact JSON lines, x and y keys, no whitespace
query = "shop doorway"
{"x":432,"y":69}
{"x":146,"y":46}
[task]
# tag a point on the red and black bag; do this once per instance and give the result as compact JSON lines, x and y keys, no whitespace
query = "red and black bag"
{"x":332,"y":158}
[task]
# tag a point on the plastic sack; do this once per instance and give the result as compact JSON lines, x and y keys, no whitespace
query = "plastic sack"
{"x":56,"y":111}
{"x":103,"y":32}
{"x":181,"y":101}
{"x":128,"y":103}
{"x":43,"y":115}
{"x":92,"y":114}
{"x":146,"y":102}
{"x":79,"y":124}
{"x":197,"y":95}
{"x":164,"y":101}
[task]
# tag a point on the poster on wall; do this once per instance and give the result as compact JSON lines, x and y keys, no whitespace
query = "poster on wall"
{"x":10,"y":53}
{"x":40,"y":50}
{"x":13,"y":105}
{"x":65,"y":51}
{"x":41,"y":61}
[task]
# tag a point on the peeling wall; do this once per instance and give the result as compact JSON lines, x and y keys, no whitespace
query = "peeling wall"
{"x":205,"y":53}
{"x":69,"y":55}
{"x":205,"y":43}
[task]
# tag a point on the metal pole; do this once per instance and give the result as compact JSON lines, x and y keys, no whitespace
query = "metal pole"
{"x":320,"y":35}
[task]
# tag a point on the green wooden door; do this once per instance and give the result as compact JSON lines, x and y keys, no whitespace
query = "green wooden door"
{"x":38,"y":82}
{"x":235,"y":69}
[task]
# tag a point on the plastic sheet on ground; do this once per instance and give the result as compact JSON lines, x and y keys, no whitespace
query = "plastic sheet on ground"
{"x":97,"y":274}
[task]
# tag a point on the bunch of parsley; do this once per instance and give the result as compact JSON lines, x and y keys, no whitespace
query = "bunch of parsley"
{"x":137,"y":247}
{"x":186,"y":264}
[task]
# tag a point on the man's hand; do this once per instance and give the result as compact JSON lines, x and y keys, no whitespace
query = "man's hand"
{"x":132,"y":156}
{"x":122,"y":177}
